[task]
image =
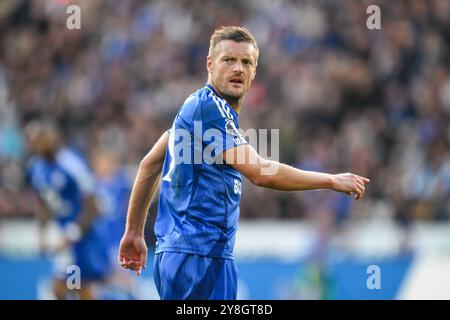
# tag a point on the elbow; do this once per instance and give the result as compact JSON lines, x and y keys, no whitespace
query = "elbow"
{"x":265,"y":174}
{"x":260,"y":180}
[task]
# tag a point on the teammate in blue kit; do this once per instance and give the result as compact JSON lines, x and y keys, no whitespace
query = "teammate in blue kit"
{"x":200,"y":163}
{"x":112,"y":189}
{"x":65,"y":194}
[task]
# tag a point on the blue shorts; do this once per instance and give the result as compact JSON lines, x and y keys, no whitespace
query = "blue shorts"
{"x":182,"y":276}
{"x":92,"y":257}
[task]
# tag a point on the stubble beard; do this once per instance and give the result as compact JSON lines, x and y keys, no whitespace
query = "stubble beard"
{"x":233,"y":100}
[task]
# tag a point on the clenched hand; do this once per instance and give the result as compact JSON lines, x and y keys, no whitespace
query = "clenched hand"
{"x":133,"y":253}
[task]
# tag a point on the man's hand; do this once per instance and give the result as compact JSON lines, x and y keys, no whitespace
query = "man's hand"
{"x":133,"y":253}
{"x":350,"y":183}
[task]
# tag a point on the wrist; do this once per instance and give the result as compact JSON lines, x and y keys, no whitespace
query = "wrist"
{"x":133,"y":231}
{"x":332,"y":181}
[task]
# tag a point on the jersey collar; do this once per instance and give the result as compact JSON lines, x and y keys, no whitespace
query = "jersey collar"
{"x":211,"y":88}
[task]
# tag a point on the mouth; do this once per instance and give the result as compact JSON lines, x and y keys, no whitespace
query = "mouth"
{"x":236,"y":81}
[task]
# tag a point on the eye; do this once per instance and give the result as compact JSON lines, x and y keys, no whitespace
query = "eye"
{"x":229,"y":60}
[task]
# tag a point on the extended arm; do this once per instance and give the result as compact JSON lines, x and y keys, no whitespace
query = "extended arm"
{"x":278,"y":176}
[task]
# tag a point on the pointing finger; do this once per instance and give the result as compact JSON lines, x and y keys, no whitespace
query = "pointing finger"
{"x":366,"y":180}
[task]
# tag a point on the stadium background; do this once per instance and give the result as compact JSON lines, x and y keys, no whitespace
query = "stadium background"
{"x":345,"y":98}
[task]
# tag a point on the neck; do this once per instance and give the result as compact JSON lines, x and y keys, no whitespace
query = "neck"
{"x":234,"y":102}
{"x":49,"y":156}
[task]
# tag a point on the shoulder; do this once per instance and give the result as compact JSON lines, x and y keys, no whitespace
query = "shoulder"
{"x":214,"y":107}
{"x":34,"y":165}
{"x":190,"y":105}
{"x":69,"y":158}
{"x":76,"y":167}
{"x":205,"y":105}
{"x":201,"y":105}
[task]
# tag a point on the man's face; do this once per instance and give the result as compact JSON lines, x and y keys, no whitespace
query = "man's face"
{"x":41,"y":142}
{"x":232,"y":68}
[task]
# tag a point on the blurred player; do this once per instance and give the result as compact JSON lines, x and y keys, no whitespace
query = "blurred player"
{"x":199,"y":202}
{"x":65,"y":194}
{"x":113,"y":188}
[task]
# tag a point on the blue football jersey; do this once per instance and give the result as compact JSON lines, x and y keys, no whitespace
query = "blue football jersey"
{"x":200,"y":194}
{"x":61,"y":183}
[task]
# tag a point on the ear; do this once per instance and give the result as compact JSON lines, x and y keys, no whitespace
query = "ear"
{"x":209,"y":64}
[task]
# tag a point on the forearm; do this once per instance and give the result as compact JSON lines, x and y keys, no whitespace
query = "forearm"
{"x":287,"y":178}
{"x":278,"y":176}
{"x":144,"y":188}
{"x":154,"y":188}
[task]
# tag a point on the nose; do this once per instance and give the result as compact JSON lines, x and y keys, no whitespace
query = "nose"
{"x":238,"y":67}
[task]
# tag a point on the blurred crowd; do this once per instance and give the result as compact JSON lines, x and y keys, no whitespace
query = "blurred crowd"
{"x":345,"y":98}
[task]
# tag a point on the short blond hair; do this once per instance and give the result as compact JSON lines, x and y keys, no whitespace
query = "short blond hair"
{"x":238,"y":34}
